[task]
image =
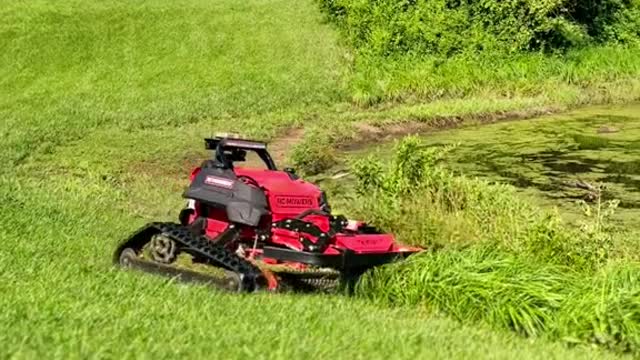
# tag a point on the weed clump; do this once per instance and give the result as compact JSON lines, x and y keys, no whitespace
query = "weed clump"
{"x":315,"y":153}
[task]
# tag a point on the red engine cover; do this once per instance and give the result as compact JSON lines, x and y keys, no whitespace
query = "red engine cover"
{"x":287,"y":197}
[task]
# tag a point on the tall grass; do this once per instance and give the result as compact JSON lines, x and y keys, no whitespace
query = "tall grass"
{"x":509,"y":291}
{"x":493,"y":258}
{"x":427,"y":205}
{"x":603,"y":309}
{"x":411,"y":78}
{"x":477,"y":284}
{"x":413,"y":51}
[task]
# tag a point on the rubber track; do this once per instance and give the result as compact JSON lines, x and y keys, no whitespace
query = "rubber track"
{"x":200,"y":246}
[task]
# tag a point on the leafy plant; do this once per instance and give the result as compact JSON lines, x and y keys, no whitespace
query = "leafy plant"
{"x":597,"y":229}
{"x":413,"y":167}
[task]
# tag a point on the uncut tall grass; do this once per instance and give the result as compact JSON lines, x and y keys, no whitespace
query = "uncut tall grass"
{"x":492,"y":258}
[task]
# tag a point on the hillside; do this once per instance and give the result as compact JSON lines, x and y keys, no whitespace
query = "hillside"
{"x":103,"y":106}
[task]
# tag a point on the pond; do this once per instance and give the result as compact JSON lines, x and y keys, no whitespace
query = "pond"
{"x":557,"y":160}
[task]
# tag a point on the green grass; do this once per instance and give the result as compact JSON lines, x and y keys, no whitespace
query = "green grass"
{"x":563,"y":77}
{"x":69,"y":68}
{"x":102,"y":110}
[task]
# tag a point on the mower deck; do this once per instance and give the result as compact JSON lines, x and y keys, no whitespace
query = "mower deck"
{"x":347,"y":260}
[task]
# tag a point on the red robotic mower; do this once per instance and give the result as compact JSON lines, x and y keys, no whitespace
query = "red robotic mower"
{"x":246,"y":229}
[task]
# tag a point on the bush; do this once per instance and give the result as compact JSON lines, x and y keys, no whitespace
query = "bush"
{"x":446,"y":27}
{"x":412,"y":169}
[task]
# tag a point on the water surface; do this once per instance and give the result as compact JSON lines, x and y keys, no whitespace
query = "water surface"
{"x":557,"y":160}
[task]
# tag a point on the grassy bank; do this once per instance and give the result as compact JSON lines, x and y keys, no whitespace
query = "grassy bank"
{"x":73,"y":67}
{"x":490,"y":98}
{"x":562,"y":77}
{"x":495,"y":258}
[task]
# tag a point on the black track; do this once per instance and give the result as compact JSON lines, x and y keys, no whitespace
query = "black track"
{"x":242,"y":276}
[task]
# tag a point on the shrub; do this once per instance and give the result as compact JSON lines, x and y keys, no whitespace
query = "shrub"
{"x":446,"y":27}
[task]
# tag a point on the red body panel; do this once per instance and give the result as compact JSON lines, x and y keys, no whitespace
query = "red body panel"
{"x":287,"y":198}
{"x":215,"y":227}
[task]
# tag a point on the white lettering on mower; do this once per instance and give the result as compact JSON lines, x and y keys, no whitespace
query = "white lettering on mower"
{"x":294,"y":201}
{"x":191,"y":204}
{"x":219,"y":182}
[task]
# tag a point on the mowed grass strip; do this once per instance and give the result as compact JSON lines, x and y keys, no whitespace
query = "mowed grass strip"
{"x":69,"y":67}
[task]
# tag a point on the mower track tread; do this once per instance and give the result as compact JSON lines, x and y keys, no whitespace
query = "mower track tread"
{"x":198,"y":245}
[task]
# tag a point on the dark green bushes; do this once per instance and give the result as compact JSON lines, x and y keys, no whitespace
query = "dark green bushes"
{"x":446,"y":27}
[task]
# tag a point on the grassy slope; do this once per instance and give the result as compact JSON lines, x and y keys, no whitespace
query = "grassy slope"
{"x":99,"y":103}
{"x":71,"y":67}
{"x":67,"y":300}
